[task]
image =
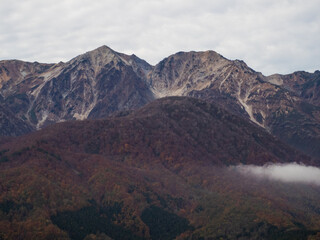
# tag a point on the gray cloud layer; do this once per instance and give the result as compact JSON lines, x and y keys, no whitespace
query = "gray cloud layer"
{"x":270,"y":35}
{"x":292,"y":173}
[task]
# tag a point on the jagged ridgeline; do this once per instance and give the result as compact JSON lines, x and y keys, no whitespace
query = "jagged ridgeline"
{"x":98,"y":83}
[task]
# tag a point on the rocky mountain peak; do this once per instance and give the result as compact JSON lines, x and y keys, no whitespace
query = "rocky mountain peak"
{"x":104,"y":56}
{"x":96,"y":59}
{"x":98,"y":82}
{"x":185,"y":71}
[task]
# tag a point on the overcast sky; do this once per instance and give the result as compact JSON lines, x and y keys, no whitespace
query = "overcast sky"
{"x":271,"y":36}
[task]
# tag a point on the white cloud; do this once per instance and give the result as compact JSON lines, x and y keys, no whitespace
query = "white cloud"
{"x":271,"y":36}
{"x":291,"y":172}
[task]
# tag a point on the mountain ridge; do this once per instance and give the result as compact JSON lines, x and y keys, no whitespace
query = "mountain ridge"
{"x":102,"y":81}
{"x":187,"y":118}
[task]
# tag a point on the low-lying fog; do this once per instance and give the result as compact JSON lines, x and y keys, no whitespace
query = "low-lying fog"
{"x":291,"y":172}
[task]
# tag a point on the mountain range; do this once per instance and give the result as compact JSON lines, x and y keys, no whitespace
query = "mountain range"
{"x":98,"y":83}
{"x":106,"y":146}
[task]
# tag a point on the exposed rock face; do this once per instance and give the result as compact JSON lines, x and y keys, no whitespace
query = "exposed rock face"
{"x":15,"y":74}
{"x":304,"y":84}
{"x":92,"y":85}
{"x":210,"y":76}
{"x":285,"y":110}
{"x":101,"y":82}
{"x":184,"y":72}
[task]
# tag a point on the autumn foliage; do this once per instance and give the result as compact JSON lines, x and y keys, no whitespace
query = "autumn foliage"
{"x":156,"y":173}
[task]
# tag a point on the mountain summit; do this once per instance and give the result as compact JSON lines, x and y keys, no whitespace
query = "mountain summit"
{"x":92,"y":85}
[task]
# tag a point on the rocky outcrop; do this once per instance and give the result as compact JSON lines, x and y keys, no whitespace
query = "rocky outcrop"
{"x":304,"y":84}
{"x":92,"y":85}
{"x":283,"y":112}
